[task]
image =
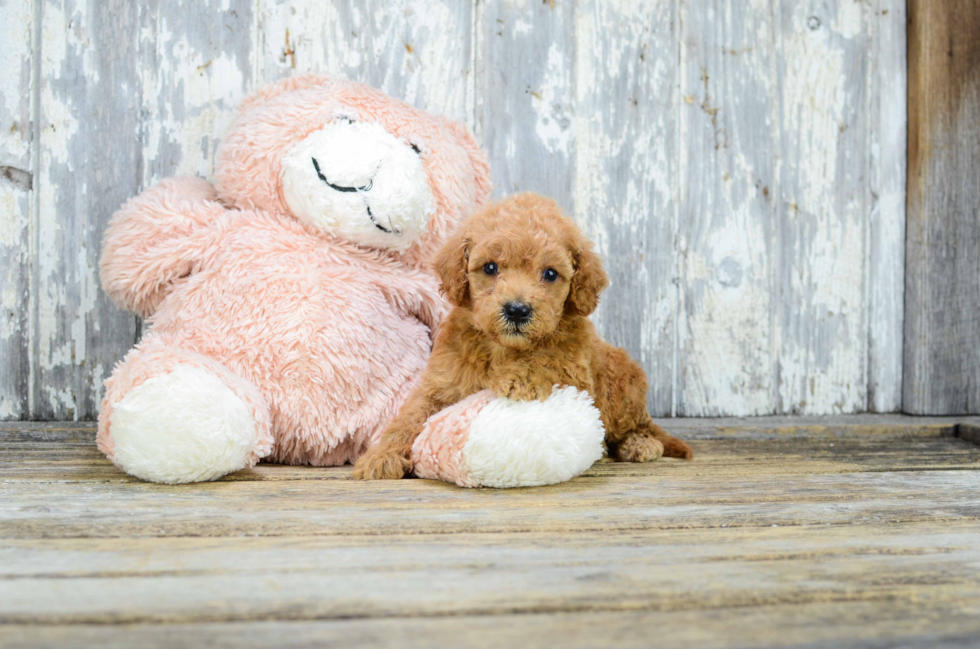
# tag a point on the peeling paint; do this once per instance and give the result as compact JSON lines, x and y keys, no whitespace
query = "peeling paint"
{"x":823,"y":320}
{"x":740,"y":166}
{"x":16,"y":191}
{"x":367,"y":42}
{"x":554,"y":117}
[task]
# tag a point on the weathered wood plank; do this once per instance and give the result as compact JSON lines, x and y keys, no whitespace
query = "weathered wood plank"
{"x":926,"y":624}
{"x":89,"y":164}
{"x":306,"y":579}
{"x":195,"y":556}
{"x":768,"y":315}
{"x":887,"y":95}
{"x":617,"y":504}
{"x":17,"y":28}
{"x":780,"y":549}
{"x":823,"y":204}
{"x":729,"y":136}
{"x":195,"y":67}
{"x":527,"y":88}
{"x":415,"y":50}
{"x":731,"y":453}
{"x":942,"y":278}
{"x":625,"y":175}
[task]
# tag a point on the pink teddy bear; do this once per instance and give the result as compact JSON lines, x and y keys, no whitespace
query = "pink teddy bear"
{"x":290,"y":306}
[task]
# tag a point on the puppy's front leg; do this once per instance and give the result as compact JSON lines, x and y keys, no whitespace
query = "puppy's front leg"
{"x":521,"y":389}
{"x":391,"y":458}
{"x":522,"y":382}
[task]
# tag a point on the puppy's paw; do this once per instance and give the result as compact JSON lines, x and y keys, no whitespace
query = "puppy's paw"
{"x":382,"y":463}
{"x":523,"y":390}
{"x":639,"y":448}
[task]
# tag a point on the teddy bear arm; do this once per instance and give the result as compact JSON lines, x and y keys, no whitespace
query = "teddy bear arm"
{"x":416,"y":293}
{"x":156,"y":239}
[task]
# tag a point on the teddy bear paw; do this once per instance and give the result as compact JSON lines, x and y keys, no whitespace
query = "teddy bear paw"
{"x":490,"y":441}
{"x":184,"y":426}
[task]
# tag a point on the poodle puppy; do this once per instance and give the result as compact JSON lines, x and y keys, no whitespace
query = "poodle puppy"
{"x":523,"y":278}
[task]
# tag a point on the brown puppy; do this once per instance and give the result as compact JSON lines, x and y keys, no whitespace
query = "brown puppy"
{"x":523,"y":279}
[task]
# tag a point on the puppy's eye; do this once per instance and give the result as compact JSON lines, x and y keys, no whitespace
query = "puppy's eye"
{"x":415,"y":148}
{"x":490,"y":268}
{"x":550,"y":275}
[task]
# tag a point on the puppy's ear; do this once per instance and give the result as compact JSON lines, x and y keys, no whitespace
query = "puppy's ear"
{"x":588,"y":281}
{"x":451,"y":265}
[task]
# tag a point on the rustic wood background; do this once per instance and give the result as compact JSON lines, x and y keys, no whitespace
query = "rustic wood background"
{"x":741,"y":165}
{"x":942,"y":280}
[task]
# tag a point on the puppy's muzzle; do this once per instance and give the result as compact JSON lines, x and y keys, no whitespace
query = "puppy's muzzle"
{"x":517,"y":313}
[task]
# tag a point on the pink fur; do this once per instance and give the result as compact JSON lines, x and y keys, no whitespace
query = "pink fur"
{"x":437,"y":452}
{"x":323,"y":339}
{"x":277,"y":118}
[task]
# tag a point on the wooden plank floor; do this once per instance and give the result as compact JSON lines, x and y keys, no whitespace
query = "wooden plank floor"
{"x":853,"y":531}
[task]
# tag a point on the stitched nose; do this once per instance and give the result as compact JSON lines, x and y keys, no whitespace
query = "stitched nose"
{"x":517,"y":312}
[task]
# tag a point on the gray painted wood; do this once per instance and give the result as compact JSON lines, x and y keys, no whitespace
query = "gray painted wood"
{"x":195,"y":68}
{"x":417,"y":50}
{"x":88,"y":160}
{"x":739,"y":165}
{"x":729,"y":142}
{"x":887,"y":171}
{"x":942,"y":320}
{"x":823,"y":206}
{"x":16,"y":202}
{"x":527,"y":81}
{"x":626,"y":172}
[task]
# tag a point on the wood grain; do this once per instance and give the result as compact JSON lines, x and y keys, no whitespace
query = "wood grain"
{"x":861,"y":534}
{"x":17,"y":27}
{"x":195,"y":68}
{"x":934,"y":623}
{"x":417,"y":50}
{"x":625,"y":175}
{"x":527,"y":83}
{"x":729,"y":130}
{"x":470,"y":576}
{"x":942,"y":320}
{"x":886,"y":156}
{"x":739,"y":164}
{"x":88,"y":146}
{"x":823,"y":206}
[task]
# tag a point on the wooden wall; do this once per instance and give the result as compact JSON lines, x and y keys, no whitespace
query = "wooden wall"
{"x":740,"y":163}
{"x":942,"y":329}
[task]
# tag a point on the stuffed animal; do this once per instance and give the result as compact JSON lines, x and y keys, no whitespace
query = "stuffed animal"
{"x":290,"y":306}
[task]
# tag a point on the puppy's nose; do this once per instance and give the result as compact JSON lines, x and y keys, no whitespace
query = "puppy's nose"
{"x":518,"y":312}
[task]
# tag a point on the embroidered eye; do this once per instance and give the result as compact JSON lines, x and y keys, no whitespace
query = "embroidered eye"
{"x":415,"y":148}
{"x":490,"y":268}
{"x":550,"y":275}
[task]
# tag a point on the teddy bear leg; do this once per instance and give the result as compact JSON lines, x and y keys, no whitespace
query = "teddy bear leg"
{"x":175,"y":416}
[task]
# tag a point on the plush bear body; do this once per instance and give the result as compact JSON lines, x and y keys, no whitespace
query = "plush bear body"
{"x":290,"y":307}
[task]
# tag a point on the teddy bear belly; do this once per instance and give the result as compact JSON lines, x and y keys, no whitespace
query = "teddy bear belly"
{"x":333,"y":359}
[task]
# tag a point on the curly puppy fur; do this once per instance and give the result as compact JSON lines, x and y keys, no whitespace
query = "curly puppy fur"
{"x":523,"y":251}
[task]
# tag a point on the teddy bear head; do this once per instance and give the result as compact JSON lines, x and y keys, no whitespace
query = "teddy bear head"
{"x":351,"y":162}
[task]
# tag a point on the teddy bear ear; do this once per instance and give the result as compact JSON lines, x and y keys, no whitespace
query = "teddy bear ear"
{"x":478,"y":160}
{"x":273,"y":90}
